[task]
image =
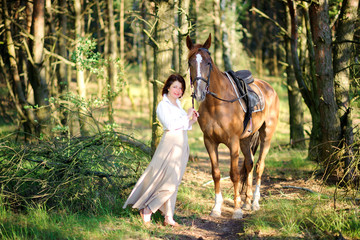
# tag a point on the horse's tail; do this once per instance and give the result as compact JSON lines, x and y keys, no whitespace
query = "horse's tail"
{"x":254,"y":143}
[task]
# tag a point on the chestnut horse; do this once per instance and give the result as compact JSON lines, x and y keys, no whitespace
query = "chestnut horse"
{"x":222,"y":121}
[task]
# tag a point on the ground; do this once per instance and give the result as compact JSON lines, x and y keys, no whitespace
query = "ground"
{"x":209,"y":228}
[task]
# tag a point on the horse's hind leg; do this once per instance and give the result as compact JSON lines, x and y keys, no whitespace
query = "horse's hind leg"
{"x":212,"y":149}
{"x":247,"y":171}
{"x":265,"y":139}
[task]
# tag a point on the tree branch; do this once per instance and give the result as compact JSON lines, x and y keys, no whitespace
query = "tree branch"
{"x":282,"y":30}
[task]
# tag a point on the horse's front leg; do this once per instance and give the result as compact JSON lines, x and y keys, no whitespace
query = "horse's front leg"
{"x":235,"y":177}
{"x":212,"y":149}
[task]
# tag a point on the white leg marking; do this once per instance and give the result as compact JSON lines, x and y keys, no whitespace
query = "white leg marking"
{"x":218,"y":202}
{"x":255,"y":204}
{"x":216,"y":212}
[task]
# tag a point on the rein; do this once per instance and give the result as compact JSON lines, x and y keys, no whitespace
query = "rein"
{"x":207,"y":81}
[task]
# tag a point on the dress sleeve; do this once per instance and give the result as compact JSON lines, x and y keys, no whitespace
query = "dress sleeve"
{"x":170,"y":120}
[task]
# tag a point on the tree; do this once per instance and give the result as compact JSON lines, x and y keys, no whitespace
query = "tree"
{"x":226,"y":48}
{"x":217,"y":33}
{"x":296,"y":113}
{"x":330,"y":122}
{"x":62,"y":68}
{"x":183,"y":9}
{"x":37,"y":70}
{"x":112,"y":52}
{"x":342,"y":49}
{"x":308,"y":86}
{"x":163,"y":46}
{"x":14,"y":84}
{"x":193,"y":9}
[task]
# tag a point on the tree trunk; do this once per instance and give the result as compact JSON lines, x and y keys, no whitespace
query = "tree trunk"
{"x":162,"y":59}
{"x":217,"y":34}
{"x":80,"y":74}
{"x":296,"y":113}
{"x":112,"y":58}
{"x":121,"y":30}
{"x":330,"y":123}
{"x":146,"y":60}
{"x":193,"y":9}
{"x":183,"y":32}
{"x":343,"y":48}
{"x":37,"y":70}
{"x":13,"y":65}
{"x":308,"y":90}
{"x":101,"y":48}
{"x":61,"y":70}
{"x":226,"y":48}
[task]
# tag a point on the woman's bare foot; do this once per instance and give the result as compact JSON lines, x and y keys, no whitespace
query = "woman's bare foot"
{"x":146,"y":215}
{"x":170,"y":221}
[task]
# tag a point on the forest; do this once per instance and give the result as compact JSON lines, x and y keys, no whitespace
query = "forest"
{"x":80,"y":81}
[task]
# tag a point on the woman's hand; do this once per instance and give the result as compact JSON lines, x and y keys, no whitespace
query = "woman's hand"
{"x":193,"y":116}
{"x":192,"y":113}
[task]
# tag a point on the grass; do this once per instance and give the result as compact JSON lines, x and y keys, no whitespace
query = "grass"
{"x":40,"y":223}
{"x":284,"y":214}
{"x":309,"y":217}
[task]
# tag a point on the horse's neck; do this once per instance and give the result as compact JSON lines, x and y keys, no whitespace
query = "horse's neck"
{"x":219,"y":84}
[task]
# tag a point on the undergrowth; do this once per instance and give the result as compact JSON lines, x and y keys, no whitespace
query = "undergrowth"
{"x":87,"y":174}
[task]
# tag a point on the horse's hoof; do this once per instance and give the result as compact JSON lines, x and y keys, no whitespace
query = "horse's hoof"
{"x":255,"y":207}
{"x":246,"y":207}
{"x":215,"y":214}
{"x":237,"y":214}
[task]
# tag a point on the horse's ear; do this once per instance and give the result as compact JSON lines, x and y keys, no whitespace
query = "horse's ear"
{"x":189,"y":42}
{"x":207,"y":44}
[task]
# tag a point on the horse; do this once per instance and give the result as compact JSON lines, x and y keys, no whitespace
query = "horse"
{"x":221,"y":119}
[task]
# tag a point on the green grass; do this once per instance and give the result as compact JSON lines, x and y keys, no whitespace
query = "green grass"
{"x":282,"y":215}
{"x":309,"y":217}
{"x":39,"y":223}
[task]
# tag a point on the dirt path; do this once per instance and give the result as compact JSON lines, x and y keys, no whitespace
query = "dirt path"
{"x":206,"y":227}
{"x":209,"y":228}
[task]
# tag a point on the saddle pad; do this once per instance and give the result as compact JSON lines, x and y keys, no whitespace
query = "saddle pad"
{"x":254,"y":95}
{"x":258,"y":105}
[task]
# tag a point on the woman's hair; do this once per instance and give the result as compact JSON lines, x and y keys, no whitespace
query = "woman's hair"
{"x":171,"y":79}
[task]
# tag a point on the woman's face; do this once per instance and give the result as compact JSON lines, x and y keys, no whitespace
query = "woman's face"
{"x":175,"y":90}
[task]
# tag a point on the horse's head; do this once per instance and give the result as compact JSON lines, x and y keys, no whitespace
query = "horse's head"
{"x":200,"y":66}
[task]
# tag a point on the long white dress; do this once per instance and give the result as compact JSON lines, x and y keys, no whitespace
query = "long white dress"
{"x":158,"y":186}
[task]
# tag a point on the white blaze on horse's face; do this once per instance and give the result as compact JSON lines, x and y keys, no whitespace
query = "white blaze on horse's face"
{"x":200,"y":90}
{"x":198,"y":61}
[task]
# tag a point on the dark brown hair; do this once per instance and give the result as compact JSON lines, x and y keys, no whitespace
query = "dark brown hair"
{"x":171,"y":79}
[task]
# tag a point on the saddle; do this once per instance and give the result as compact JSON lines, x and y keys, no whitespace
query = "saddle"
{"x":252,"y":101}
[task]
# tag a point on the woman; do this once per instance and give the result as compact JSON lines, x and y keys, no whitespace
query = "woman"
{"x":157,"y":187}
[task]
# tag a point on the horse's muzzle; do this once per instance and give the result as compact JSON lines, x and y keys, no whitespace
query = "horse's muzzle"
{"x":200,"y":96}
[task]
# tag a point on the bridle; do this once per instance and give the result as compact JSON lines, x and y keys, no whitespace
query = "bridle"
{"x":207,"y":81}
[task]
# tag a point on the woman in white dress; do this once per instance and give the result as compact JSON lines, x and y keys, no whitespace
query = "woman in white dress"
{"x":157,"y":187}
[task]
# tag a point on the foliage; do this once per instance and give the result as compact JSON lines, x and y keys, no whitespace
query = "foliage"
{"x":79,"y":174}
{"x":88,"y":58}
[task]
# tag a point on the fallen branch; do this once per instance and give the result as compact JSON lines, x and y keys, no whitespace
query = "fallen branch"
{"x":311,"y":191}
{"x":207,"y":183}
{"x":301,"y":188}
